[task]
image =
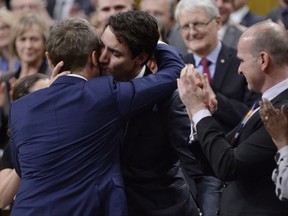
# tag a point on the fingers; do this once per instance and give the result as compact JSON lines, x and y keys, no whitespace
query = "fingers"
{"x":52,"y":79}
{"x":57,"y":69}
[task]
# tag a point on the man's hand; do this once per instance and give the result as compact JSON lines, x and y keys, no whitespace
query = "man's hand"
{"x":55,"y":72}
{"x":194,"y":90}
{"x":212,"y":102}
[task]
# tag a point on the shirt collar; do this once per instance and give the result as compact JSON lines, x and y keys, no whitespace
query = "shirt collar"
{"x":212,"y":56}
{"x":275,"y":90}
{"x":238,"y":15}
{"x":142,"y":72}
{"x":77,"y":75}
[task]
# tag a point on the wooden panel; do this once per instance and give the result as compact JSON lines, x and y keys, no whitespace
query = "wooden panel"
{"x":262,"y":7}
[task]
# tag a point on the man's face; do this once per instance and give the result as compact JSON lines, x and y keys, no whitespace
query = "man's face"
{"x":107,"y":8}
{"x":199,"y":31}
{"x":158,"y":9}
{"x":22,"y":7}
{"x":225,"y":8}
{"x":116,"y":59}
{"x":249,"y":66}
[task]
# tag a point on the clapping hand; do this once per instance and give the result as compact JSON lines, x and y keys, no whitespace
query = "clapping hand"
{"x":195,"y":91}
{"x":275,"y":121}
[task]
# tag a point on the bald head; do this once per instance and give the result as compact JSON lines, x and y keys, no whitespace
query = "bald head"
{"x":269,"y":37}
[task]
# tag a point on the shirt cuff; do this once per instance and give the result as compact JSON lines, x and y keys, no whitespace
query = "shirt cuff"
{"x":200,"y":115}
{"x":195,"y":119}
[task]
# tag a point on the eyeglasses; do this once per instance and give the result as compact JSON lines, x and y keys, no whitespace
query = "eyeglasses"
{"x":196,"y":25}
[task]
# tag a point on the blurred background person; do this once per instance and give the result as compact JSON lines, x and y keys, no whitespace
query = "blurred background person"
{"x":8,"y":61}
{"x":22,"y":7}
{"x":106,"y":8}
{"x":28,"y":42}
{"x":276,"y":13}
{"x":163,"y":10}
{"x":242,"y":14}
{"x":63,"y":9}
{"x":228,"y":33}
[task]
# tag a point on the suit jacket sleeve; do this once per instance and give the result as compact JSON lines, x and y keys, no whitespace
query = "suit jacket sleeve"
{"x":242,"y":162}
{"x":179,"y":128}
{"x":158,"y":85}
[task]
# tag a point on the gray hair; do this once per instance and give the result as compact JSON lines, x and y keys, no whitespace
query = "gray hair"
{"x":209,"y":6}
{"x":271,"y":38}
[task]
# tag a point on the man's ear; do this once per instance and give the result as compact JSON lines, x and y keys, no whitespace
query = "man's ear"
{"x":94,"y":59}
{"x":49,"y":61}
{"x":264,"y":61}
{"x":141,"y":58}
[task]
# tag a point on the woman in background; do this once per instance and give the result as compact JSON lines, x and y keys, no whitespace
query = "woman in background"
{"x":8,"y":62}
{"x":28,"y":43}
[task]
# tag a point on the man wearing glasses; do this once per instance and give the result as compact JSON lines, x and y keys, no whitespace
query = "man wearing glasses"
{"x":199,"y":22}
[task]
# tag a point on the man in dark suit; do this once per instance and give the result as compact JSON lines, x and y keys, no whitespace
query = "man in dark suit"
{"x":155,"y":183}
{"x":199,"y":21}
{"x":65,"y":138}
{"x":242,"y":14}
{"x":245,"y":157}
{"x":228,"y":33}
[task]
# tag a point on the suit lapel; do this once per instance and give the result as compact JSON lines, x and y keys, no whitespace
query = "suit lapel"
{"x":222,"y":65}
{"x":255,"y":121}
{"x":131,"y":132}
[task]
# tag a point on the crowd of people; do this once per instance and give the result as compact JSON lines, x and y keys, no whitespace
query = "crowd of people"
{"x":92,"y":121}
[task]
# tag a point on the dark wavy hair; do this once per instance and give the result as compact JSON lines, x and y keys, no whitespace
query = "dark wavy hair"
{"x":136,"y":29}
{"x":23,"y":85}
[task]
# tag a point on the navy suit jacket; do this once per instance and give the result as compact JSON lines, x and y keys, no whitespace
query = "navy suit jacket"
{"x":246,"y":166}
{"x":154,"y":180}
{"x":66,"y":140}
{"x":250,"y":19}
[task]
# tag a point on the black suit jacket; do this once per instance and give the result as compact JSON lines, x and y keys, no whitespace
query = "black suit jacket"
{"x":246,"y":166}
{"x":231,"y":36}
{"x":155,"y":184}
{"x":234,"y":100}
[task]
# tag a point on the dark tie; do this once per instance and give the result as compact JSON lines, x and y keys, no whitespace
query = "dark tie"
{"x":205,"y":64}
{"x":244,"y":121}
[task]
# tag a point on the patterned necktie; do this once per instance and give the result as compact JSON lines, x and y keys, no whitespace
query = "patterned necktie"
{"x":253,"y":109}
{"x":205,"y":64}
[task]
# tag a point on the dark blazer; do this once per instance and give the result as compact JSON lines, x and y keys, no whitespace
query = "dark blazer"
{"x":66,"y":140}
{"x":231,"y":36}
{"x":250,"y":19}
{"x":154,"y":181}
{"x":246,"y":166}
